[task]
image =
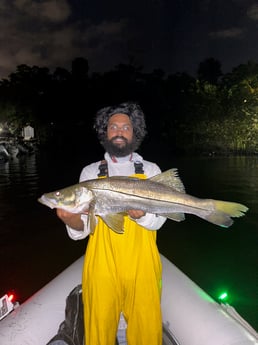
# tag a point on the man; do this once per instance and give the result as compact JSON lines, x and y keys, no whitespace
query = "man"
{"x":122,"y":272}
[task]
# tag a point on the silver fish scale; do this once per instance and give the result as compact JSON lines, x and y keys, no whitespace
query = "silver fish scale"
{"x":157,"y":195}
{"x":135,"y":187}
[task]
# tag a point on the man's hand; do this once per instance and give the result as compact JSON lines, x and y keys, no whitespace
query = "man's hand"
{"x":136,"y":214}
{"x":62,"y":214}
{"x":71,"y":219}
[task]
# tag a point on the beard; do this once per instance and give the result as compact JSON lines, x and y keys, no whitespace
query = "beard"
{"x":119,"y":150}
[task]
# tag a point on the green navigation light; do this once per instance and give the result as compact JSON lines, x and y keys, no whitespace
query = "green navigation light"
{"x":223,"y":296}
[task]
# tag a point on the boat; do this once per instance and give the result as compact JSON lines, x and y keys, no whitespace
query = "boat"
{"x":190,"y":315}
{"x":4,"y":154}
{"x":12,"y":146}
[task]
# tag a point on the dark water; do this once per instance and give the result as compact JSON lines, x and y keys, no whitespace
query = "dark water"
{"x":34,"y":246}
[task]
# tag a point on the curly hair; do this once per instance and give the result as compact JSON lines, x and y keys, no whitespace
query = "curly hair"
{"x":133,"y":110}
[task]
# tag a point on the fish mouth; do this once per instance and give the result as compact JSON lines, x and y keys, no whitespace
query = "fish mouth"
{"x":45,"y":201}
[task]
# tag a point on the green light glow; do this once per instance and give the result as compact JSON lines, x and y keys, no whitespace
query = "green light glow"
{"x":223,"y":296}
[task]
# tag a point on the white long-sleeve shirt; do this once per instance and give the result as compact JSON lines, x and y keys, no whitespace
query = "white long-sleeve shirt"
{"x":122,"y":167}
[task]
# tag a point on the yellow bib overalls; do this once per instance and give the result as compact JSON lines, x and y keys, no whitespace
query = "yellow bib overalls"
{"x":122,"y":273}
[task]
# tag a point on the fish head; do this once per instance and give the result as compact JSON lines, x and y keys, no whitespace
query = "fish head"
{"x":75,"y":199}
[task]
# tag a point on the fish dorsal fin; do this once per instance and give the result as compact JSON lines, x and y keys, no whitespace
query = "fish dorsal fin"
{"x":114,"y":221}
{"x":170,"y":178}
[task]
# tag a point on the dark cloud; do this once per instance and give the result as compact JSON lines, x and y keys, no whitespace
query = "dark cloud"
{"x":228,"y":33}
{"x":173,"y":35}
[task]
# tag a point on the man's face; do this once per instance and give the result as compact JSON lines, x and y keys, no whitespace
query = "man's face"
{"x":120,"y":140}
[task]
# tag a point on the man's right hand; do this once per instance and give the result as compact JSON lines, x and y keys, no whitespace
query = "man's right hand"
{"x":73,"y":220}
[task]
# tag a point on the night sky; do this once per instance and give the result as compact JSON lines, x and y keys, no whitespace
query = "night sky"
{"x":173,"y":35}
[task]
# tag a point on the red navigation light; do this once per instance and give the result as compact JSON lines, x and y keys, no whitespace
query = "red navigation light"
{"x":11,"y":297}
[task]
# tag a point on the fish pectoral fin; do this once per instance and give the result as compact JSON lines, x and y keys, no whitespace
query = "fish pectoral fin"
{"x":92,"y":221}
{"x":170,"y":178}
{"x":115,"y":221}
{"x":178,"y":217}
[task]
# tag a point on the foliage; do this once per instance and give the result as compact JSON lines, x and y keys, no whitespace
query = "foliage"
{"x":211,"y":113}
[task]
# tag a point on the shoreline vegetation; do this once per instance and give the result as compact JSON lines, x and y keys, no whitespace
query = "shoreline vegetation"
{"x":210,"y":114}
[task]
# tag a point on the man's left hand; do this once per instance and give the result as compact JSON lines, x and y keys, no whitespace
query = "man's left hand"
{"x":136,"y":214}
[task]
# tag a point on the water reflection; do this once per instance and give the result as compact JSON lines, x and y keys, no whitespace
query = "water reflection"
{"x":20,"y":173}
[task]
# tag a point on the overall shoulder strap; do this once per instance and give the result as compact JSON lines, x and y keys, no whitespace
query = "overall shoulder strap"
{"x":103,"y":169}
{"x":138,"y":168}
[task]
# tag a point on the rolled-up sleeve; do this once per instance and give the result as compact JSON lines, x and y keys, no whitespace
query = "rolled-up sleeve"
{"x":79,"y":234}
{"x":151,"y":221}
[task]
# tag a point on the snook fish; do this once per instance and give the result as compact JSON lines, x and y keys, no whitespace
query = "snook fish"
{"x":164,"y":194}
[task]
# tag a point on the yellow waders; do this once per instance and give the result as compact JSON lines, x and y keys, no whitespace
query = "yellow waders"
{"x":122,"y":272}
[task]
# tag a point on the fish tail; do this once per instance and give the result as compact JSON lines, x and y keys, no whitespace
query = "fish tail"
{"x":233,"y":209}
{"x":223,"y":212}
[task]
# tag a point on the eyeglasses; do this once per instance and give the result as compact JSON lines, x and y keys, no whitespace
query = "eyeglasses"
{"x":115,"y":128}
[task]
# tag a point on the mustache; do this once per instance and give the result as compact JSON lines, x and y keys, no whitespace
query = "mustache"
{"x":120,"y":137}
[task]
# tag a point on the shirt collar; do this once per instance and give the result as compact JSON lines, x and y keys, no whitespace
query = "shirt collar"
{"x":133,"y":157}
